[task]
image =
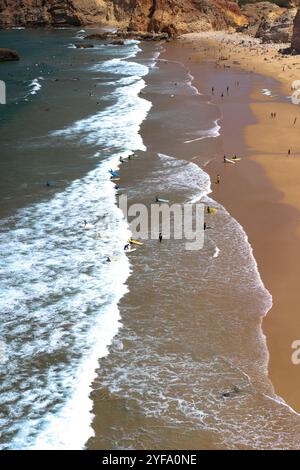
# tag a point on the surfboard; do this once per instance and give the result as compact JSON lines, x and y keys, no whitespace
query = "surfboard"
{"x":102,"y":236}
{"x":115,"y":179}
{"x":87,"y":226}
{"x":115,"y":258}
{"x":163,"y":200}
{"x":212,"y":210}
{"x":114,"y":173}
{"x":229,"y":160}
{"x":131,"y":250}
{"x":135,"y":242}
{"x":238,"y":159}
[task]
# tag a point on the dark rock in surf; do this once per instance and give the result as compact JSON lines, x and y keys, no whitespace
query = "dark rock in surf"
{"x":7,"y":55}
{"x":84,"y":46}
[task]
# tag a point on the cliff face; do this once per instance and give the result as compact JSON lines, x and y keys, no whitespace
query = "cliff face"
{"x":139,"y":15}
{"x":37,"y":13}
{"x":185,"y":15}
{"x":279,"y":30}
{"x":296,"y":33}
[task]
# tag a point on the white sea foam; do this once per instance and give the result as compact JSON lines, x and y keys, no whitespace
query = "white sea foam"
{"x":35,"y":86}
{"x":119,"y":124}
{"x":206,"y":134}
{"x":59,"y":293}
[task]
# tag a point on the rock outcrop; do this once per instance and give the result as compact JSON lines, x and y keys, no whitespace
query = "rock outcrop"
{"x":7,"y":55}
{"x":184,"y":15}
{"x":168,"y":16}
{"x":258,"y":12}
{"x":278,"y":31}
{"x":296,"y":34}
{"x":38,"y":13}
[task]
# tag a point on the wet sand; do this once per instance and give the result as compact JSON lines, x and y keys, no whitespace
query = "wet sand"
{"x":263,"y":193}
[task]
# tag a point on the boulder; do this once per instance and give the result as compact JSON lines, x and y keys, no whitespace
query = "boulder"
{"x":84,"y":46}
{"x":278,"y":31}
{"x":8,"y":55}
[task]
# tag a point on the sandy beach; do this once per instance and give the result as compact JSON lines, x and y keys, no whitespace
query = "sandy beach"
{"x":263,"y":193}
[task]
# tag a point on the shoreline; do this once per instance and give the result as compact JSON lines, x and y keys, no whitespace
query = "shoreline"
{"x":168,"y":382}
{"x":267,"y":201}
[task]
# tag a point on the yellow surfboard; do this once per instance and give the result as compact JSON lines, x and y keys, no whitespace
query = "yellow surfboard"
{"x":212,"y":210}
{"x":135,"y":242}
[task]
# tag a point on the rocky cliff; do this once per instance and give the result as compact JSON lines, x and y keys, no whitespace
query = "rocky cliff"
{"x":277,"y":30}
{"x":296,"y":33}
{"x":37,"y":13}
{"x":139,"y":15}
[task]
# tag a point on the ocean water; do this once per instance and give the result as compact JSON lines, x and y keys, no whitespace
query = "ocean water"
{"x":139,"y":352}
{"x":68,"y":119}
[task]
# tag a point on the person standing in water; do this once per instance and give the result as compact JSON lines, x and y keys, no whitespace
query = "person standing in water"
{"x":160,"y":237}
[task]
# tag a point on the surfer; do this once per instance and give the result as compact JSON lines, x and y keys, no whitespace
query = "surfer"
{"x":156,"y":199}
{"x":127,"y":246}
{"x":160,"y":237}
{"x":208,"y":209}
{"x":85,"y":223}
{"x":234,"y":157}
{"x":108,"y":260}
{"x":218,"y":179}
{"x":224,"y":159}
{"x":204,"y":226}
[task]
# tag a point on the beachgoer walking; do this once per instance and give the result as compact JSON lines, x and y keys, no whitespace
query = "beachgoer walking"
{"x":218,"y":179}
